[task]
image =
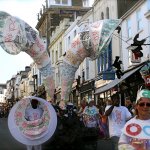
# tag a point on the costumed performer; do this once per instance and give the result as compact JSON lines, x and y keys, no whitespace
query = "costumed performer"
{"x":32,"y":121}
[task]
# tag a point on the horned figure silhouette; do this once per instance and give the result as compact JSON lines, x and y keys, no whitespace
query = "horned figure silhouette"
{"x":16,"y":36}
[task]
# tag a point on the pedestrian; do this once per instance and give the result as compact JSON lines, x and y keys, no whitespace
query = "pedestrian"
{"x":33,"y":113}
{"x":91,"y":115}
{"x":128,"y":104}
{"x":136,"y":132}
{"x":117,"y":117}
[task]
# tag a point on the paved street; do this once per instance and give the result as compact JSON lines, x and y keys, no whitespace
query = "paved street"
{"x":7,"y":142}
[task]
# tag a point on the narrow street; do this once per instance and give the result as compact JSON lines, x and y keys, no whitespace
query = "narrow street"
{"x":7,"y":142}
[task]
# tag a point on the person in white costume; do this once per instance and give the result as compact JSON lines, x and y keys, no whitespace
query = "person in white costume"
{"x":117,"y":117}
{"x":91,"y":115}
{"x":33,"y":113}
{"x":136,"y":133}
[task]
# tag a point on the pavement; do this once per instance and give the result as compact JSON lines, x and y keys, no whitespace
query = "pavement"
{"x":7,"y":142}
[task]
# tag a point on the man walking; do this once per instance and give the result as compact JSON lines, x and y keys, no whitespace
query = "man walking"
{"x":117,"y":117}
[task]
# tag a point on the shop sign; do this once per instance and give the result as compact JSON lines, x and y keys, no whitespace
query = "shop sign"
{"x":107,"y":75}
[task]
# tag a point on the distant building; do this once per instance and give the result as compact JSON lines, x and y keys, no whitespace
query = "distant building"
{"x":2,"y":93}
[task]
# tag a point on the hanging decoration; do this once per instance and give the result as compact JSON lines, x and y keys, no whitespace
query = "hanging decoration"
{"x":137,"y":46}
{"x":117,"y":64}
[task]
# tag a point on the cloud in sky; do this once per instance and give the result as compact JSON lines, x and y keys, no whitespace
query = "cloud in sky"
{"x":26,"y":10}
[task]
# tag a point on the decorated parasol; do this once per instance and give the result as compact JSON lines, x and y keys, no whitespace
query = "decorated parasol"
{"x":33,"y":132}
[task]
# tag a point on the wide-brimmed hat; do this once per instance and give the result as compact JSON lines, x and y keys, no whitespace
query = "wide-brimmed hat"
{"x":143,"y":93}
{"x":32,"y":132}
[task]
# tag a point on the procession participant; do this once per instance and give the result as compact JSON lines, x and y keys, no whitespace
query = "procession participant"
{"x":136,"y":133}
{"x":117,"y":117}
{"x":91,"y":115}
{"x":33,"y":113}
{"x":32,"y":121}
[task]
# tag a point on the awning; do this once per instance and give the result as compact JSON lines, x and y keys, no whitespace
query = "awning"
{"x":116,"y":81}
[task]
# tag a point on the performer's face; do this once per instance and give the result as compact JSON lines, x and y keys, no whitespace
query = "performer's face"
{"x":143,"y":108}
{"x":34,"y":103}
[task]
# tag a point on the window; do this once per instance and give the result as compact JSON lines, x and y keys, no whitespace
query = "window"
{"x":52,"y":57}
{"x":104,"y":62}
{"x":129,"y":27}
{"x":87,"y":69}
{"x":75,"y":33}
{"x":134,"y":58}
{"x":102,"y":15}
{"x":60,"y":49}
{"x":56,"y":56}
{"x":107,"y":12}
{"x":61,"y":2}
{"x":69,"y":41}
{"x":85,"y":3}
{"x":139,"y":20}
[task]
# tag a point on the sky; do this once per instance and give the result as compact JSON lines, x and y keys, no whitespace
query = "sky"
{"x":26,"y":10}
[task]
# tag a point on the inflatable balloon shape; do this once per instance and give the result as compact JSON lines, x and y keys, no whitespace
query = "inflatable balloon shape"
{"x":90,"y":42}
{"x":16,"y":36}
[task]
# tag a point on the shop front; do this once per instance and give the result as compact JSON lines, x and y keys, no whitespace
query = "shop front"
{"x":127,"y":85}
{"x":87,"y":90}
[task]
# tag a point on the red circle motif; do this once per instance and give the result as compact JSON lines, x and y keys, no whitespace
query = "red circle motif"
{"x":138,"y":129}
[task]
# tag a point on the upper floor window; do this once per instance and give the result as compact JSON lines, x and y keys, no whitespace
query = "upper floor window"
{"x":64,"y":2}
{"x":60,"y":49}
{"x":85,"y":3}
{"x":69,"y":40}
{"x":75,"y":33}
{"x":107,"y":12}
{"x":102,"y":15}
{"x":52,"y":56}
{"x":129,"y":28}
{"x":133,"y":58}
{"x":139,"y":20}
{"x":87,"y":69}
{"x":56,"y":56}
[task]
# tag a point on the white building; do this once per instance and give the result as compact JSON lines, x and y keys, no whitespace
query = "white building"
{"x":135,"y":21}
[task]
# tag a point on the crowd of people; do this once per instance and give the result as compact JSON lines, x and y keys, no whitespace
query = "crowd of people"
{"x":127,"y":127}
